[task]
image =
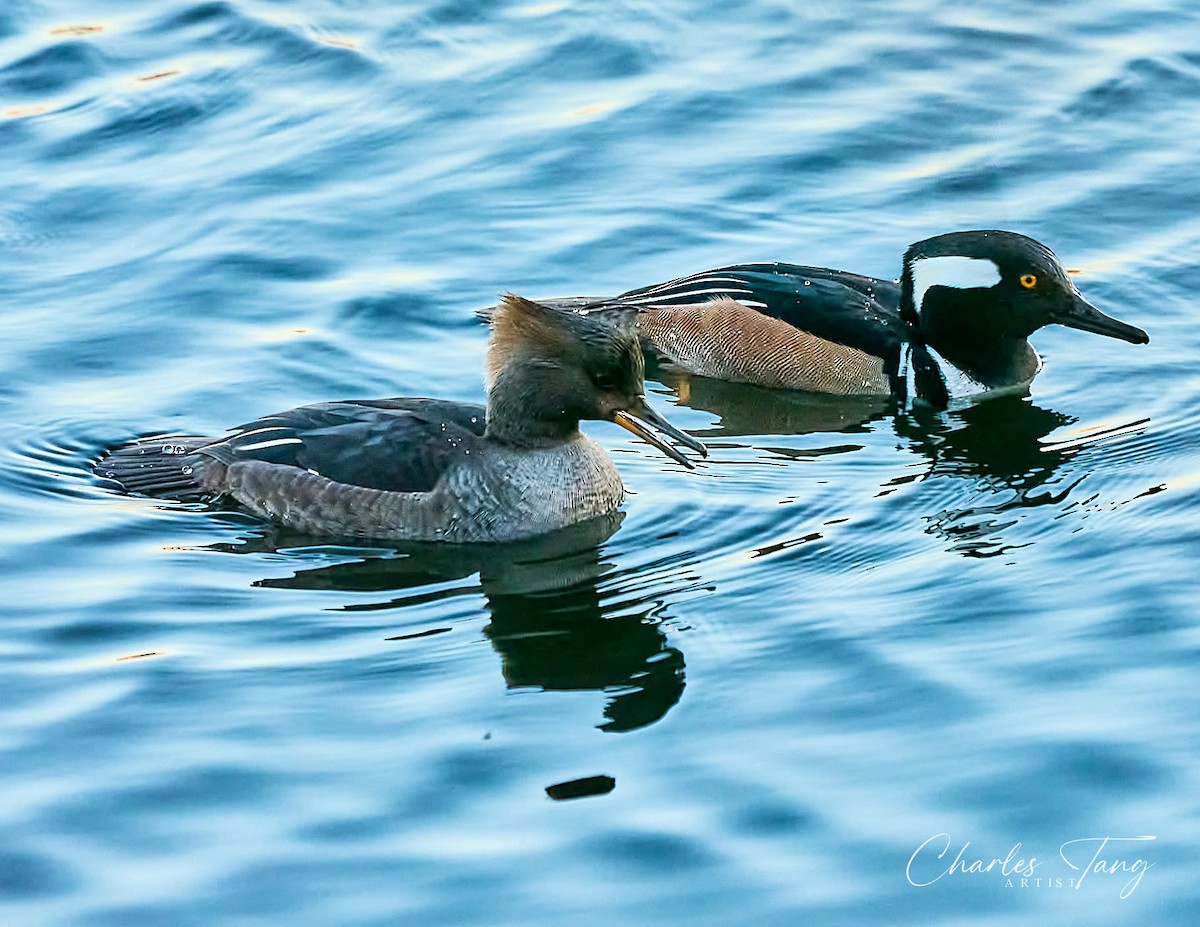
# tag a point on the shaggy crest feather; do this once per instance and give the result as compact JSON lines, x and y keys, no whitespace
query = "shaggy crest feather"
{"x":522,"y":327}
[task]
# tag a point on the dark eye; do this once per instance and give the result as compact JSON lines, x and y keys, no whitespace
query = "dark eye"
{"x":606,"y":381}
{"x":1029,"y":281}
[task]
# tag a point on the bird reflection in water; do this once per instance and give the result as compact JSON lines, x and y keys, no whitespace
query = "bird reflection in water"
{"x":562,"y":618}
{"x":745,"y":410}
{"x":1001,"y":447}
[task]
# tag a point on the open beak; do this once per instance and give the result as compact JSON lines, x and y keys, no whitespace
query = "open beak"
{"x":637,"y":419}
{"x":1084,"y":316}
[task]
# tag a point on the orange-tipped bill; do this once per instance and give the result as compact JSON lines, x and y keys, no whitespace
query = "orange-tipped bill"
{"x":638,"y":420}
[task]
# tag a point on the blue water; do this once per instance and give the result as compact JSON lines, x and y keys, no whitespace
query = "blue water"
{"x":848,"y":632}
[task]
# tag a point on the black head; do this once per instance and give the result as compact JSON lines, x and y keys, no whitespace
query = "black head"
{"x":983,"y":287}
{"x":548,"y":369}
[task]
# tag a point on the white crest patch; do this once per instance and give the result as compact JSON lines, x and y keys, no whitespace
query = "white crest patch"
{"x":952,"y":270}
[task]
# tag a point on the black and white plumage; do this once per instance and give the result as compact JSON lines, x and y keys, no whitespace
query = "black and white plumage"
{"x":428,"y":469}
{"x":957,"y":321}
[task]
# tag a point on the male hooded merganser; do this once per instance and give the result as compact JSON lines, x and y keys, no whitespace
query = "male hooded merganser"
{"x":955,"y":325}
{"x":427,"y":469}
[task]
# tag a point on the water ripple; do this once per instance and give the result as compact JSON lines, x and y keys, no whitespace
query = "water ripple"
{"x":852,"y":627}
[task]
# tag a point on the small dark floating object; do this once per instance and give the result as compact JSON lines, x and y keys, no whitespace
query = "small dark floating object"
{"x":409,"y":637}
{"x":581,"y":788}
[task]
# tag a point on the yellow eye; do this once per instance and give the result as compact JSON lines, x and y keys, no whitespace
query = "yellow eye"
{"x":1029,"y":281}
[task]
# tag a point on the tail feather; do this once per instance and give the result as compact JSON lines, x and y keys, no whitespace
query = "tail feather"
{"x":160,"y":466}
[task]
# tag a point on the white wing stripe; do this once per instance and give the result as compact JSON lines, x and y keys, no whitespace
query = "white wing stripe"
{"x":261,"y":445}
{"x":698,"y":280}
{"x":260,"y":431}
{"x":682,"y":294}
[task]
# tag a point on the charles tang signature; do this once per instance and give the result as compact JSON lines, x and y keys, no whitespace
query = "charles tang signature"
{"x":1103,"y":860}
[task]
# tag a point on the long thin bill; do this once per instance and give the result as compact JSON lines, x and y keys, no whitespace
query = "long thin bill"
{"x":638,"y":421}
{"x":1086,"y":317}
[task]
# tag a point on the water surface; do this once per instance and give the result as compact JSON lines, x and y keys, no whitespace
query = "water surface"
{"x":851,"y":630}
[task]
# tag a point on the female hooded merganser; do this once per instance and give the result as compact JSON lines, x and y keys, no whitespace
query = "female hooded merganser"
{"x":955,"y":325}
{"x":427,"y":469}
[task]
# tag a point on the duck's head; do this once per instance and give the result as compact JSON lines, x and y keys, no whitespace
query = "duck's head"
{"x":548,"y":369}
{"x":974,"y":289}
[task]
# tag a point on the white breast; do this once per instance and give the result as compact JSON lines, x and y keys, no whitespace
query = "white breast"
{"x":963,"y":389}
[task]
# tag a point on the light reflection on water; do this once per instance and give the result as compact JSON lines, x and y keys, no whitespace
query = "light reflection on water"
{"x":853,"y":627}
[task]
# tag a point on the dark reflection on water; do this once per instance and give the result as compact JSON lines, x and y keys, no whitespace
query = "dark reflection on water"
{"x":1002,"y":449}
{"x":567,"y":641}
{"x":999,"y":448}
{"x":754,"y":410}
{"x":219,"y":208}
{"x":1001,"y":441}
{"x":559,"y":560}
{"x":562,"y":618}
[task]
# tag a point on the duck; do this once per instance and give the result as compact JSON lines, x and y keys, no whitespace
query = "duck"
{"x":419,"y":469}
{"x":953,"y":328}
